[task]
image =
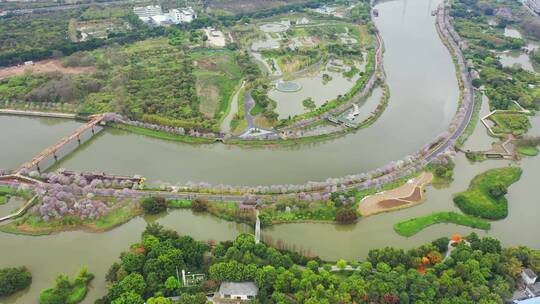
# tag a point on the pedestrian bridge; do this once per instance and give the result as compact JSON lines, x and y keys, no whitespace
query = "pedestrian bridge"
{"x":34,"y":163}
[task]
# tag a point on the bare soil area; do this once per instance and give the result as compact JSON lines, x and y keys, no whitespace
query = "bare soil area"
{"x":403,"y":196}
{"x":391,"y":203}
{"x":45,"y":66}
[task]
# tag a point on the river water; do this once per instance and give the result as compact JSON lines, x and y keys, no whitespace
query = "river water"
{"x":423,"y":100}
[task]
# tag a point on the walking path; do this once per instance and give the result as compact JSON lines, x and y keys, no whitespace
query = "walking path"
{"x":226,"y":124}
{"x":37,"y":113}
{"x":20,"y":211}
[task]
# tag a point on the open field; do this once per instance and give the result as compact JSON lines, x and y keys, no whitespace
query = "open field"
{"x":44,"y":66}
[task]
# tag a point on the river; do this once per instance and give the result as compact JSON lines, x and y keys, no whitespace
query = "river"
{"x":423,"y":100}
{"x":424,"y":96}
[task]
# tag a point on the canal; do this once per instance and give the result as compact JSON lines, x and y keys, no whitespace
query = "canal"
{"x":423,"y":100}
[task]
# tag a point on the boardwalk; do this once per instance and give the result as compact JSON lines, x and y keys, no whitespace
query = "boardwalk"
{"x":51,"y":151}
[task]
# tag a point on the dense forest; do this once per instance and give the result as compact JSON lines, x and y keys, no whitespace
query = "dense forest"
{"x":478,"y":270}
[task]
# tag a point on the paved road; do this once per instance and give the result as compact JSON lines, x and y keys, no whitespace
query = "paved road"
{"x":468,"y":99}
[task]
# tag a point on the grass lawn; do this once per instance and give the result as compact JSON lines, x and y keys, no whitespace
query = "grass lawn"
{"x":514,"y":123}
{"x":163,"y":135}
{"x":413,"y":226}
{"x":529,"y":151}
{"x":478,"y":201}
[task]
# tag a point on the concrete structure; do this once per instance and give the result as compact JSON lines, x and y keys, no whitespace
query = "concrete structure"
{"x":52,"y":150}
{"x":528,"y":290}
{"x":160,"y":20}
{"x":153,"y":14}
{"x":147,"y":11}
{"x":528,"y":276}
{"x":184,"y":15}
{"x":528,"y":301}
{"x":243,"y":291}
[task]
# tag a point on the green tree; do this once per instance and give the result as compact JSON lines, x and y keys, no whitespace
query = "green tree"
{"x":341,"y":264}
{"x":154,"y":205}
{"x":13,"y":280}
{"x":159,"y":300}
{"x":133,"y":283}
{"x":172,"y":284}
{"x":129,"y":297}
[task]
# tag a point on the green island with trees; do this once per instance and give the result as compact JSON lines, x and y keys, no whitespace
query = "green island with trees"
{"x":66,"y":291}
{"x":14,"y":279}
{"x":485,"y":197}
{"x":478,"y":270}
{"x":413,"y":226}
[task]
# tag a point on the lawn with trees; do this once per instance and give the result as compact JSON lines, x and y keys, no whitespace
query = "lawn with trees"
{"x":413,"y":226}
{"x":477,"y":271}
{"x":485,"y":197}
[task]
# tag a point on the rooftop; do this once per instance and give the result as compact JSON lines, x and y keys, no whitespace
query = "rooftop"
{"x":239,"y":288}
{"x":529,"y":301}
{"x":529,"y":273}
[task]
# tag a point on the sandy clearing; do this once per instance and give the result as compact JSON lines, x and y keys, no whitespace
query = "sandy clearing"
{"x":409,"y":193}
{"x":45,"y":66}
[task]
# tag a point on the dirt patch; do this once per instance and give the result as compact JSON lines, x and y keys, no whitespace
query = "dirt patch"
{"x":206,"y":65}
{"x":45,"y":66}
{"x":391,"y":203}
{"x":210,"y":98}
{"x":416,"y":196}
{"x":405,"y":195}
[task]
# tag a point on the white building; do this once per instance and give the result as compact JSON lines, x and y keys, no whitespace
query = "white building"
{"x":528,"y":276}
{"x":184,"y":15}
{"x":243,"y":291}
{"x":147,"y":11}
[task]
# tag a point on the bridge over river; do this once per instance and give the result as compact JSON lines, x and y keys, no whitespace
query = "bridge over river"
{"x":51,"y":151}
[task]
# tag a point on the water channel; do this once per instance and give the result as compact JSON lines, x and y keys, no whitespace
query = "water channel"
{"x":423,"y":100}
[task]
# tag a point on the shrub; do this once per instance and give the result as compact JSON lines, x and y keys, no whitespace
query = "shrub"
{"x":346,"y":216}
{"x":13,"y":280}
{"x":153,"y":205}
{"x":199,"y":205}
{"x":65,"y":291}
